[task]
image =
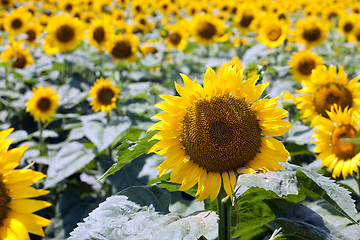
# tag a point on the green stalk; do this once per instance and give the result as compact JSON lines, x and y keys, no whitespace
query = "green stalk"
{"x":41,"y":139}
{"x":358,"y":179}
{"x":224,"y":211}
{"x":109,"y":150}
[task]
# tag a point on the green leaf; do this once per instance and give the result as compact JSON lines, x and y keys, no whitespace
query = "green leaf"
{"x":300,"y":222}
{"x":103,"y":134}
{"x":72,"y":157}
{"x":145,"y":195}
{"x":318,"y":186}
{"x":119,"y":218}
{"x":126,"y":153}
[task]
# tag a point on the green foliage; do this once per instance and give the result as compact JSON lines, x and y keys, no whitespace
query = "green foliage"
{"x":120,"y":218}
{"x":126,"y":153}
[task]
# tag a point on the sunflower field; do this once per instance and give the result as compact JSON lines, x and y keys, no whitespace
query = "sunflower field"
{"x":179,"y":119}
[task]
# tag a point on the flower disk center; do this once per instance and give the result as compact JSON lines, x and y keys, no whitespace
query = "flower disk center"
{"x":43,"y":104}
{"x":306,"y":66}
{"x":175,"y":38}
{"x":4,"y":201}
{"x":221,"y":133}
{"x":99,"y":34}
{"x":122,"y":49}
{"x":311,"y":35}
{"x":274,"y":34}
{"x":105,"y":96}
{"x":20,"y":61}
{"x":207,"y":30}
{"x":330,"y":94}
{"x":342,"y":149}
{"x":16,"y":23}
{"x":246,"y":20}
{"x":65,"y":33}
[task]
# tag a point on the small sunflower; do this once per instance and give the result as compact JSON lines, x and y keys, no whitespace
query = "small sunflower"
{"x":148,"y":47}
{"x":208,"y":29}
{"x":33,"y":32}
{"x":17,"y":218}
{"x":123,"y":48}
{"x":177,"y":37}
{"x":21,"y":56}
{"x":273,"y":32}
{"x":303,"y":63}
{"x":67,"y":5}
{"x":310,"y":31}
{"x":325,"y":88}
{"x":16,"y":22}
{"x":104,"y":94}
{"x":244,"y":19}
{"x":6,"y":3}
{"x":337,"y":154}
{"x":100,"y":32}
{"x":42,"y":105}
{"x":65,"y":32}
{"x":211,"y":133}
{"x":347,"y":23}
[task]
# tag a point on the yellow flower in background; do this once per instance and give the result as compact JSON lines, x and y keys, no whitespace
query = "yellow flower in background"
{"x":347,"y":23}
{"x":310,"y":31}
{"x":67,"y":5}
{"x":325,"y":88}
{"x":17,"y":218}
{"x":16,"y":22}
{"x":104,"y":95}
{"x":100,"y":32}
{"x":177,"y":37}
{"x":21,"y":56}
{"x":148,"y":47}
{"x":337,"y":154}
{"x":209,"y":133}
{"x":207,"y":29}
{"x":43,"y":104}
{"x":235,"y":62}
{"x":65,"y":33}
{"x":123,"y":48}
{"x":302,"y":64}
{"x":33,"y":32}
{"x":244,"y":19}
{"x":6,"y":4}
{"x":272,"y":32}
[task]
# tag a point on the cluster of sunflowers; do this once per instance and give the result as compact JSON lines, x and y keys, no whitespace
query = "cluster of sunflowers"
{"x":209,"y":133}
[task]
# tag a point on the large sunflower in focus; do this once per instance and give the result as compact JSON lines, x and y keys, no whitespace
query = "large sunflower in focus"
{"x":104,"y":94}
{"x":325,"y":88}
{"x":123,"y":48}
{"x":17,"y":218}
{"x":310,"y":31}
{"x":210,"y":133}
{"x":43,"y":104}
{"x":303,"y":63}
{"x":21,"y":56}
{"x":100,"y":32}
{"x":337,"y":154}
{"x":208,"y":29}
{"x":65,"y":33}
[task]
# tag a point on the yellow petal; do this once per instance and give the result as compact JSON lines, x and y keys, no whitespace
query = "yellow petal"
{"x":226,"y":184}
{"x":27,"y":205}
{"x":215,"y":184}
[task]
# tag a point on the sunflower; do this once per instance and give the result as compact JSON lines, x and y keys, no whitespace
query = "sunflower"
{"x":33,"y":31}
{"x":16,"y":22}
{"x":101,"y":30}
{"x":347,"y":23}
{"x":310,"y":31}
{"x":67,"y":5}
{"x":272,"y":32}
{"x":177,"y":37}
{"x":43,"y":104}
{"x":208,"y":29}
{"x":209,"y":133}
{"x":244,"y":19}
{"x":65,"y":33}
{"x":17,"y":218}
{"x":21,"y":56}
{"x":325,"y":88}
{"x":123,"y":48}
{"x":303,"y":63}
{"x":6,"y":3}
{"x":104,"y":94}
{"x":234,"y":62}
{"x":337,"y":154}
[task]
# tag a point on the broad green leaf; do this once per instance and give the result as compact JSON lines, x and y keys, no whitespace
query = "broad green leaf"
{"x":119,"y":218}
{"x":300,"y":222}
{"x":72,"y":157}
{"x":103,"y":134}
{"x":146,"y":195}
{"x":126,"y":153}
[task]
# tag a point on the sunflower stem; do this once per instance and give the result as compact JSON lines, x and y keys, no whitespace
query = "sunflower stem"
{"x":109,"y":150}
{"x":41,"y":139}
{"x":224,"y":211}
{"x":358,"y":178}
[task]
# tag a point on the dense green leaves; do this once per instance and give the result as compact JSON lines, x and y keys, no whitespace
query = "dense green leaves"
{"x":127,"y":153}
{"x":119,"y":218}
